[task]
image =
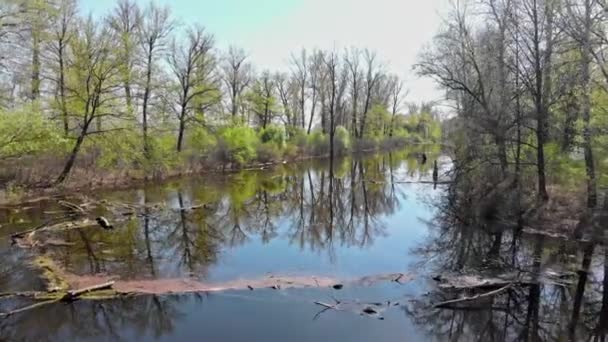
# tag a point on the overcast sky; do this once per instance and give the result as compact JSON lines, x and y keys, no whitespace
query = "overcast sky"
{"x":270,"y":30}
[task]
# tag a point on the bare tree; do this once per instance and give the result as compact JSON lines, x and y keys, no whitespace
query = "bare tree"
{"x":373,"y":73}
{"x":299,"y":73}
{"x":396,"y":94}
{"x":353,"y":62}
{"x":125,"y":21}
{"x":236,"y":74}
{"x":62,"y":31}
{"x":154,"y":31}
{"x":315,"y":83}
{"x":193,"y":66}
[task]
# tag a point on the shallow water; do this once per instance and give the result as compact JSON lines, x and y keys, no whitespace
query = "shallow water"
{"x":357,"y":223}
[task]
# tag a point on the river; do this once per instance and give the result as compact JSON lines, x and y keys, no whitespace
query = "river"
{"x":303,"y":252}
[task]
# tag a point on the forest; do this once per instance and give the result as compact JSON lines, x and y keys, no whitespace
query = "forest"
{"x":527,"y":82}
{"x":138,"y":94}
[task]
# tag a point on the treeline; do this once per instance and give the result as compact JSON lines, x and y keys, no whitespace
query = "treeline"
{"x":528,"y":82}
{"x":137,"y":89}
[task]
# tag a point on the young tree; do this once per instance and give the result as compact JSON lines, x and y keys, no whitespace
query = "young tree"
{"x":92,"y":82}
{"x":262,"y":99}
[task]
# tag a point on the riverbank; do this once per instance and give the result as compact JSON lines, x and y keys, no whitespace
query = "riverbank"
{"x":87,"y":176}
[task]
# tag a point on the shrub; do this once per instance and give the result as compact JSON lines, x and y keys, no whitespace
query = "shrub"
{"x":273,"y":134}
{"x":318,"y":143}
{"x":268,"y":153}
{"x":201,"y":141}
{"x":239,"y":143}
{"x":341,"y":140}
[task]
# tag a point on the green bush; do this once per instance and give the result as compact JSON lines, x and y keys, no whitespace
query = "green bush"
{"x":268,"y":153}
{"x":342,"y":140}
{"x":318,"y":143}
{"x":273,"y":134}
{"x":239,"y":143}
{"x":26,"y":131}
{"x":201,"y":141}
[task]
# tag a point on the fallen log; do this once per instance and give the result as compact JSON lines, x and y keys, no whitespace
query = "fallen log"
{"x":473,"y":298}
{"x":29,"y":307}
{"x":71,"y":206}
{"x":74,"y":294}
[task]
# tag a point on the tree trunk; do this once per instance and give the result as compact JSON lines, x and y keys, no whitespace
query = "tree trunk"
{"x":64,"y":109}
{"x":145,"y":103}
{"x":35,"y":65}
{"x":586,"y":104}
{"x":72,"y":158}
{"x":312,"y":110}
{"x":182,"y":128}
{"x":540,"y":104}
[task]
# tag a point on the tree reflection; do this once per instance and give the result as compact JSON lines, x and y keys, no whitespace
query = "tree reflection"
{"x":183,"y":228}
{"x":478,"y":230}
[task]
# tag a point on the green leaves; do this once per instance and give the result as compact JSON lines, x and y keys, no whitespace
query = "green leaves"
{"x":23,"y":132}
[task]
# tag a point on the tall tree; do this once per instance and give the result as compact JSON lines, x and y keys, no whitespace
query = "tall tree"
{"x":193,"y":66}
{"x":92,"y":83}
{"x":236,"y":74}
{"x":353,"y":62}
{"x":63,"y":29}
{"x":299,"y":72}
{"x":154,"y":31}
{"x":373,"y":73}
{"x":125,"y":21}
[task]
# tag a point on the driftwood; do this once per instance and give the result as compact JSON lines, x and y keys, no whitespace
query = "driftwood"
{"x":74,"y":294}
{"x":39,"y":227}
{"x":29,"y":307}
{"x":448,"y":303}
{"x":70,"y":296}
{"x":73,"y":207}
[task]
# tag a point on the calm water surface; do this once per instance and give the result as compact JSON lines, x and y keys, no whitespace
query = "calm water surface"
{"x":377,"y":215}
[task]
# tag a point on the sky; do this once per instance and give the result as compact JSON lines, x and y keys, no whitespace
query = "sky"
{"x":271,"y":30}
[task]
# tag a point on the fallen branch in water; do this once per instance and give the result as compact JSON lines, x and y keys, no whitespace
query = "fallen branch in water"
{"x":74,"y":294}
{"x":476,"y":297}
{"x":29,"y":307}
{"x":328,"y":306}
{"x":71,"y":206}
{"x":46,"y":224}
{"x":69,"y":296}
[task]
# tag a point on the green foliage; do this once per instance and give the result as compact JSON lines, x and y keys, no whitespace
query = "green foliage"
{"x":240,"y":143}
{"x":378,"y":119}
{"x":268,"y":152}
{"x":273,"y":134}
{"x":318,"y":142}
{"x":200,"y":141}
{"x":27,"y":132}
{"x":342,"y":139}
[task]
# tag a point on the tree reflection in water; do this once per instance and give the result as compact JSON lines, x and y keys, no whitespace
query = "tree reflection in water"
{"x":479,"y":230}
{"x":185,"y":226}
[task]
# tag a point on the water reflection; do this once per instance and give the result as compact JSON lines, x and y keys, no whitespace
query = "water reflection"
{"x":481,"y":229}
{"x":186,"y":226}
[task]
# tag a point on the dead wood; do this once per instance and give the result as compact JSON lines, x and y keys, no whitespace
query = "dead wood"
{"x":74,"y":294}
{"x":473,"y":298}
{"x":72,"y":207}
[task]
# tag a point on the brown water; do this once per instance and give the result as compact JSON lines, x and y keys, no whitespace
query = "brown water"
{"x":358,"y":223}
